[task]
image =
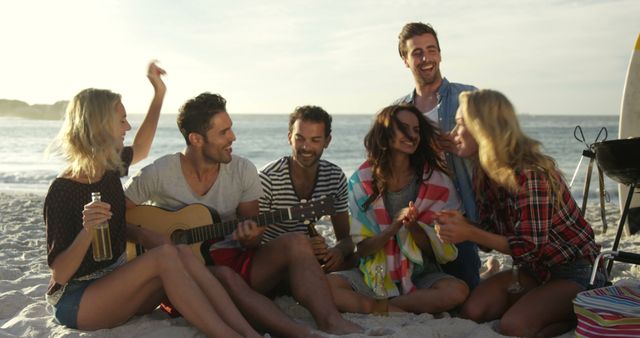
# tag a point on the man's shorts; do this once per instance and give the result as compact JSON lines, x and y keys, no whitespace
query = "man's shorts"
{"x":237,"y":259}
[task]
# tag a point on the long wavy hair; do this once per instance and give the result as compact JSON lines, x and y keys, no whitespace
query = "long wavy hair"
{"x":86,"y":140}
{"x":378,"y":141}
{"x":503,"y":148}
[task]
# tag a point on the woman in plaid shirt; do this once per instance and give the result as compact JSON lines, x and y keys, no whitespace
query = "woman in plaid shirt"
{"x":526,"y":211}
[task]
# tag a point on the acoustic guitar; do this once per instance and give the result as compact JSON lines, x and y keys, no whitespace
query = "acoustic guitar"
{"x":196,"y":223}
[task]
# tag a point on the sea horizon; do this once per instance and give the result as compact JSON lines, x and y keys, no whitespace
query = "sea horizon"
{"x":262,"y":138}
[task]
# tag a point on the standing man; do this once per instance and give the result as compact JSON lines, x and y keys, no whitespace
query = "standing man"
{"x":305,"y":176}
{"x":207,"y":173}
{"x":437,"y":99}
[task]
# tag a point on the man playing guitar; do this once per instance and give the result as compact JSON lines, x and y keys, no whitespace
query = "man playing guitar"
{"x":207,"y":173}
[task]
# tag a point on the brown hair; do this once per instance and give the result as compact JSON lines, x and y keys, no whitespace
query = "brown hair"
{"x":311,"y":113}
{"x":196,"y":113}
{"x":414,"y":29}
{"x":378,"y":140}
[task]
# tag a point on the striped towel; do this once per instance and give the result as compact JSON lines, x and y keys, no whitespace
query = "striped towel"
{"x":612,"y":311}
{"x":400,"y":257}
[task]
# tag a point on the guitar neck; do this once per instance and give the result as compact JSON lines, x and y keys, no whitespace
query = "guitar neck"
{"x":222,"y":229}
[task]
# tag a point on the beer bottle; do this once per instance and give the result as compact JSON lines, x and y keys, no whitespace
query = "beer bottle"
{"x":100,"y":237}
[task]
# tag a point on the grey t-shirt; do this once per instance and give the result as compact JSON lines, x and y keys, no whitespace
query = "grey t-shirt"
{"x":162,"y":184}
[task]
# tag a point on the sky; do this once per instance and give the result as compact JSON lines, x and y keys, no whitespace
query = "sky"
{"x":548,"y":57}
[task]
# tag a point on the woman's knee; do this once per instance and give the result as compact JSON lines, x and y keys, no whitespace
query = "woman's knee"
{"x":166,"y":255}
{"x":516,"y":325}
{"x":473,"y":311}
{"x":185,"y":251}
{"x":459,"y":292}
{"x":456,"y":291}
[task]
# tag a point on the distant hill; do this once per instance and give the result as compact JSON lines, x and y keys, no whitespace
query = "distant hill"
{"x":17,"y":108}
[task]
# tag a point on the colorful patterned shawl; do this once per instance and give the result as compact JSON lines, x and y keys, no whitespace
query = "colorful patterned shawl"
{"x":401,"y":257}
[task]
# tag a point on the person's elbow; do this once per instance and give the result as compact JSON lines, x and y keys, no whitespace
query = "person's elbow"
{"x":129,"y":203}
{"x":58,"y":276}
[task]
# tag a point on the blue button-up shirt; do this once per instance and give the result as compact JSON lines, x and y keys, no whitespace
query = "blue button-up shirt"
{"x":461,"y":168}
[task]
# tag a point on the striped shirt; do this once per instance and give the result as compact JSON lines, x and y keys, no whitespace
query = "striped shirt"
{"x":278,"y":193}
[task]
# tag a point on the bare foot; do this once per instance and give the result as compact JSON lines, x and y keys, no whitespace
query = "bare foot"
{"x":492,"y":266}
{"x":339,"y":326}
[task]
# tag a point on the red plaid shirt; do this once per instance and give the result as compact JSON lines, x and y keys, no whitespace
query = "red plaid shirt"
{"x":539,"y":236}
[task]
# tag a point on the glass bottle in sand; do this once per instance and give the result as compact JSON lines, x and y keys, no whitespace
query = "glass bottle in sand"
{"x":100,"y":237}
{"x":381,"y":306}
{"x":515,"y":289}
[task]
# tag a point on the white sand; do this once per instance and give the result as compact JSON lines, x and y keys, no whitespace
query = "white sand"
{"x":24,"y":276}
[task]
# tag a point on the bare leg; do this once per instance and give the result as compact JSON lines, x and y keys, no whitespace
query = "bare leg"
{"x":215,"y":292}
{"x":290,"y":256}
{"x":115,"y":298}
{"x":347,"y":300}
{"x":444,"y":295}
{"x":489,"y":300}
{"x":534,"y":316}
{"x":258,"y":308}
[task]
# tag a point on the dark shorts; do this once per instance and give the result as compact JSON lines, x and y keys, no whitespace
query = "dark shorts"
{"x":66,"y":310}
{"x":467,"y":265}
{"x":578,"y":271}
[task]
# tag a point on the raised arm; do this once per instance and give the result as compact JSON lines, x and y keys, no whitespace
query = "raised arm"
{"x":146,"y":132}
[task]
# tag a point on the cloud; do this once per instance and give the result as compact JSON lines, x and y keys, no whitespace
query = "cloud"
{"x":549,"y":57}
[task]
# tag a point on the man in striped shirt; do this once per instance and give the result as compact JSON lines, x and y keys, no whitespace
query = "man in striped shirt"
{"x":304,"y":176}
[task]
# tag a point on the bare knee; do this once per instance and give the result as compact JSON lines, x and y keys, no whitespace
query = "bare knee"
{"x":474,"y":311}
{"x":294,"y":244}
{"x":514,"y":325}
{"x":458,"y":292}
{"x":336,"y":281}
{"x":185,"y":251}
{"x":166,"y":258}
{"x":455,"y":291}
{"x":166,"y":253}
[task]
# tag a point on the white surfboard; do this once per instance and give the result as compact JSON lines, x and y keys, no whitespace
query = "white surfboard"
{"x":630,"y":120}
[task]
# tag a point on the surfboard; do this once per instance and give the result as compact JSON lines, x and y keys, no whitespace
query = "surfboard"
{"x":630,"y":127}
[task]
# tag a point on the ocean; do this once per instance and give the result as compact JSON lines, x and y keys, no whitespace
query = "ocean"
{"x":263,"y":138}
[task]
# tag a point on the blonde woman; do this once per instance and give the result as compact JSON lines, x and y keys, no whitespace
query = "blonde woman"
{"x":526,"y":211}
{"x":90,"y":295}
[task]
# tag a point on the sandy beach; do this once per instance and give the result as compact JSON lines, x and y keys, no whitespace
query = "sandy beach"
{"x":24,"y":276}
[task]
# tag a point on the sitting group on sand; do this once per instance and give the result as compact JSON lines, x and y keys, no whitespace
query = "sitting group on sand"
{"x":448,"y":170}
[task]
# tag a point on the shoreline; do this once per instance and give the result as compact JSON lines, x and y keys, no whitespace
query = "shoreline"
{"x":24,"y":276}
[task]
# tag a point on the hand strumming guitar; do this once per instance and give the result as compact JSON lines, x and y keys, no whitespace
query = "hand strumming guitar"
{"x":248,"y":233}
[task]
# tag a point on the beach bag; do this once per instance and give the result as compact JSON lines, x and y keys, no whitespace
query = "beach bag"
{"x":612,"y":311}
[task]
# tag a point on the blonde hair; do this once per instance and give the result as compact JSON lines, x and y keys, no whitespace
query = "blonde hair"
{"x":86,"y":139}
{"x":503,"y":148}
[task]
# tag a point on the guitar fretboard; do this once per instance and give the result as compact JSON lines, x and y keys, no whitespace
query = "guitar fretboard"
{"x":219,"y":230}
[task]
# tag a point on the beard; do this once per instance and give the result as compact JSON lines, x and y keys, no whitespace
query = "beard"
{"x":423,"y":78}
{"x":217,"y":157}
{"x":306,"y":162}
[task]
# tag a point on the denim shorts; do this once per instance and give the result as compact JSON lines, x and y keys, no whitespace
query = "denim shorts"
{"x":66,"y":310}
{"x":578,"y":271}
{"x":355,"y":278}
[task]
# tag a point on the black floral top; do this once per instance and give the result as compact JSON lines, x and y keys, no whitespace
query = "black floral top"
{"x":63,"y":207}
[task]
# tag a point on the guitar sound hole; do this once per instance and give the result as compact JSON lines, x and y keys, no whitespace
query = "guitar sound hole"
{"x":179,"y":237}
